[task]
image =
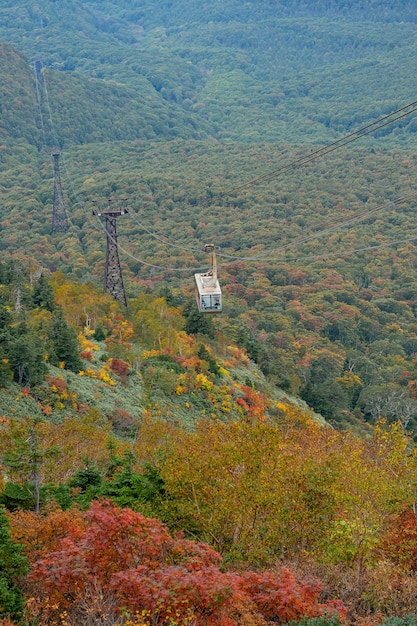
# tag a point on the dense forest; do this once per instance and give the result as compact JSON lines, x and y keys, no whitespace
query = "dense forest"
{"x":158,"y":466}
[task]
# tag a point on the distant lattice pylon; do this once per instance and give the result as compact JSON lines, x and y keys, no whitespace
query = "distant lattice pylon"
{"x":113,"y":281}
{"x":59,"y":214}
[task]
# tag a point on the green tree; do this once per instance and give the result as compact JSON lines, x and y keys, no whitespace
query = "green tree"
{"x":43,"y":296}
{"x":99,"y":334}
{"x":64,"y":343}
{"x":6,"y":341}
{"x":205,"y":355}
{"x":321,"y":390}
{"x":12,"y":566}
{"x":197,"y":323}
{"x":26,"y":357}
{"x":23,"y":459}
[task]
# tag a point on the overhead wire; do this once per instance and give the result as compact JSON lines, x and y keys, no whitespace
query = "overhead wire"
{"x":51,"y":123}
{"x":38,"y":98}
{"x":57,"y":143}
{"x":166,"y":239}
{"x":347,"y":139}
{"x":355,"y":135}
{"x":73,"y":193}
{"x":312,"y":257}
{"x":54,"y":135}
{"x":331,"y":147}
{"x":276,"y":260}
{"x":300,"y":240}
{"x":132,"y":256}
{"x":330,"y":229}
{"x":328,"y":255}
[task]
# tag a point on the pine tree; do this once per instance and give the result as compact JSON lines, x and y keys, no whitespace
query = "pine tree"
{"x":43,"y":296}
{"x":6,"y":340}
{"x":64,"y":343}
{"x":26,"y":357}
{"x":99,"y":334}
{"x":205,"y":355}
{"x":12,"y":566}
{"x":197,"y":323}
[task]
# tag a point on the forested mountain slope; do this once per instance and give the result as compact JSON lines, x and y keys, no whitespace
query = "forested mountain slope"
{"x":258,"y":71}
{"x":148,"y":469}
{"x":171,"y":110}
{"x":276,"y":441}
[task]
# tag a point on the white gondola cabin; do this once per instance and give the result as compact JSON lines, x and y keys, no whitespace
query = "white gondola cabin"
{"x":208,"y":293}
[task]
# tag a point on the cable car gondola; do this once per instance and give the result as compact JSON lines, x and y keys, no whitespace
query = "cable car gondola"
{"x":208,"y":293}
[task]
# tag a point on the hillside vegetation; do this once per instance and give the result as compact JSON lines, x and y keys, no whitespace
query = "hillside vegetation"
{"x":171,"y":116}
{"x":151,"y":413}
{"x":161,"y":467}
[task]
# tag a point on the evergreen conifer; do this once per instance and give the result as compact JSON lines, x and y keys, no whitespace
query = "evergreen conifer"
{"x":12,"y":565}
{"x":64,"y":343}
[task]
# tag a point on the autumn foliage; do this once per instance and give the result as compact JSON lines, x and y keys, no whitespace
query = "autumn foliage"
{"x":141,"y":569}
{"x":400,"y":543}
{"x":41,"y":534}
{"x":279,"y":596}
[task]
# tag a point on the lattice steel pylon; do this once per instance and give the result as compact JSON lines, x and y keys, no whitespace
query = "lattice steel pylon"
{"x":113,"y":280}
{"x":59,"y":214}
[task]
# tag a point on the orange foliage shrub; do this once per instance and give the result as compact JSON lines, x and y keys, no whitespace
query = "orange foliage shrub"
{"x":87,"y":355}
{"x":40,"y":534}
{"x":120,"y":368}
{"x":123,"y":421}
{"x":400,"y":544}
{"x":57,"y":383}
{"x":254,"y":403}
